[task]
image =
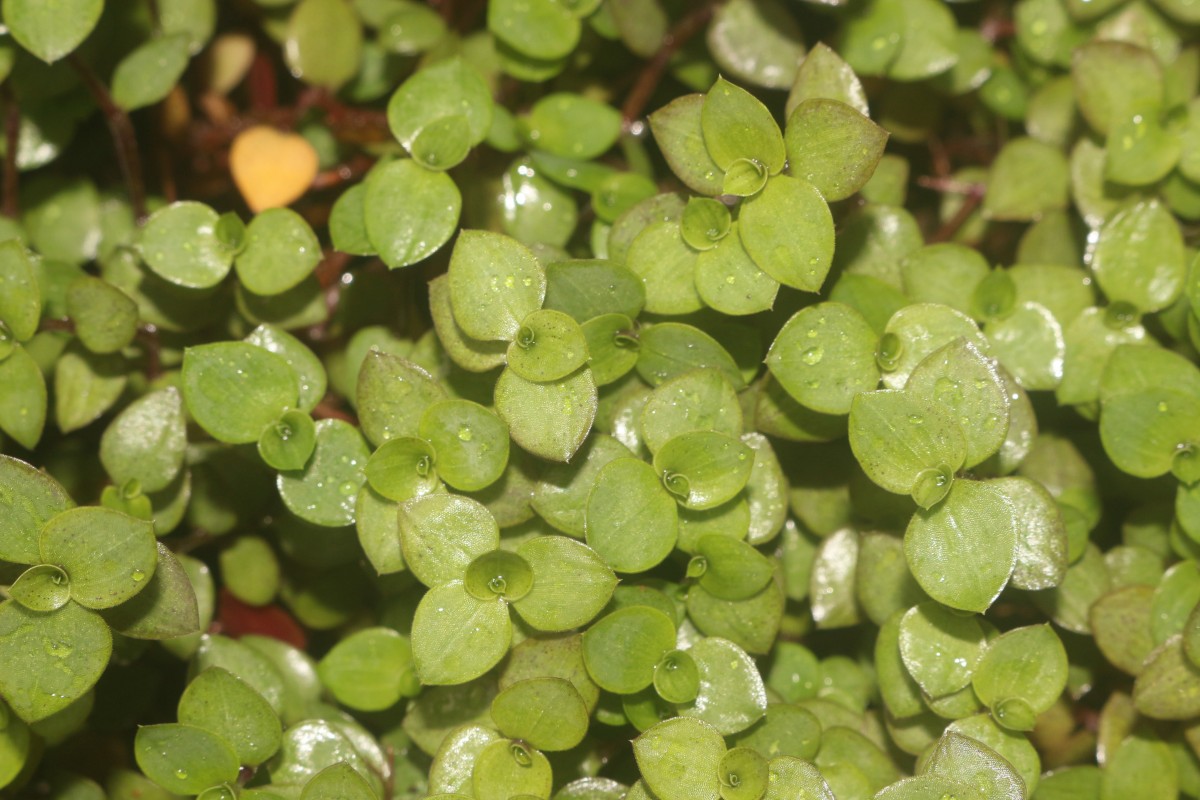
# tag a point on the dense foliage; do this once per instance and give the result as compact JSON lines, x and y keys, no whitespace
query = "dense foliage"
{"x":404,"y":400}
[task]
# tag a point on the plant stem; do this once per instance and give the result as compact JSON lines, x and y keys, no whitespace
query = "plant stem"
{"x":651,"y":75}
{"x":12,"y":140}
{"x":124,"y":136}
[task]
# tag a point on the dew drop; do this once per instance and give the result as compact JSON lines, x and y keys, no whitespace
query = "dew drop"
{"x":138,"y":576}
{"x":813,"y":355}
{"x":181,"y":774}
{"x":348,"y":488}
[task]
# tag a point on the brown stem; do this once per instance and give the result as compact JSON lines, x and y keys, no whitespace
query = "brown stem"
{"x":124,"y":136}
{"x":147,"y":337}
{"x":327,"y":410}
{"x":343,"y":173}
{"x":12,"y":140}
{"x":949,"y":185}
{"x":953,"y":225}
{"x":651,"y":75}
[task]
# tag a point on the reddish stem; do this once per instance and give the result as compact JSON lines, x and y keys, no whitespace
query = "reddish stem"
{"x":652,"y":73}
{"x":123,"y":134}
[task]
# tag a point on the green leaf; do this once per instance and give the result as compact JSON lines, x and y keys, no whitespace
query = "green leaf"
{"x":234,"y":390}
{"x":1151,"y":432}
{"x":941,"y":649}
{"x":917,"y":331}
{"x":831,"y":580}
{"x":470,"y":441}
{"x":146,"y":441}
{"x":571,"y":584}
{"x":14,"y":750}
{"x":572,"y":126}
{"x":622,"y":649}
{"x":148,"y":74}
{"x":219,"y":702}
{"x":631,"y":520}
{"x":1029,"y":343}
{"x":1028,"y":179}
{"x":677,"y":759}
{"x":307,"y":366}
{"x":443,"y":143}
{"x":1142,"y":763}
{"x":757,"y":42}
{"x":963,"y":758}
{"x":550,"y":420}
{"x":666,"y":265}
{"x":732,"y":569}
{"x":1140,"y":151}
{"x":409,"y":212}
{"x":180,"y":244}
{"x":965,"y":385}
{"x":737,"y":126}
{"x":288,"y":444}
{"x":668,"y":349}
{"x":44,"y":587}
{"x":403,"y":468}
{"x":560,"y":497}
{"x":1167,"y":685}
{"x":509,"y":768}
{"x":86,"y":385}
{"x":323,"y":42}
{"x":540,"y":29}
{"x":21,"y":298}
{"x":613,"y":350}
{"x":48,"y":660}
{"x":184,"y":759}
{"x":1021,"y":674}
{"x":545,"y":712}
{"x":369,"y":670}
{"x":549,"y":345}
{"x":324,"y":493}
{"x":586,"y":289}
{"x":823,"y":74}
{"x":281,"y":250}
{"x":105,"y":317}
{"x":441,"y":534}
{"x":732,"y":696}
{"x":22,"y":398}
{"x":108,"y":556}
{"x":929,"y":45}
{"x":729,"y":281}
{"x":1115,"y":81}
{"x":393,"y":394}
{"x":833,"y":146}
{"x":456,"y":637}
{"x":28,"y":498}
{"x":51,"y":30}
{"x":951,"y":274}
{"x":166,"y":609}
{"x":788,"y":231}
{"x":704,"y":469}
{"x":901,"y":440}
{"x":962,"y":552}
{"x":1041,"y":534}
{"x":449,"y":88}
{"x":495,"y":283}
{"x":1090,"y":340}
{"x":699,"y":400}
{"x":347,"y":223}
{"x":1139,"y":257}
{"x":338,"y":782}
{"x":679,"y":135}
{"x":822,"y":365}
{"x":312,"y":745}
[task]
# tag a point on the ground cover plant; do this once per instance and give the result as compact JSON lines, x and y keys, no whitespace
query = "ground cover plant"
{"x":600,"y":399}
